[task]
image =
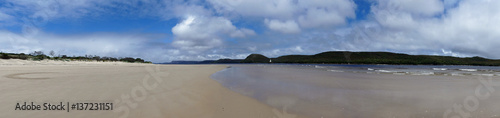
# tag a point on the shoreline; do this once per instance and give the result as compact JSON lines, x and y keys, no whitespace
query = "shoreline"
{"x":181,"y":91}
{"x":319,"y":64}
{"x":318,"y":93}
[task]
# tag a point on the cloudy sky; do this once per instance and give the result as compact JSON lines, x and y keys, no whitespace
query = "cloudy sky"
{"x":162,"y":31}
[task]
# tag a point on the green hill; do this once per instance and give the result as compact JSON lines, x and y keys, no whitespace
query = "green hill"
{"x":345,"y":57}
{"x":256,"y":58}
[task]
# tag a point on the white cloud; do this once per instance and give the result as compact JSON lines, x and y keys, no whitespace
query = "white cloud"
{"x":283,"y":9}
{"x":469,"y":29}
{"x":404,"y":14}
{"x":285,"y":13}
{"x":289,"y":26}
{"x":242,"y":33}
{"x":205,"y":32}
{"x":284,"y":51}
{"x":196,"y":34}
{"x":252,"y":48}
{"x":317,"y":17}
{"x":101,"y":44}
{"x":416,"y":7}
{"x":321,"y":13}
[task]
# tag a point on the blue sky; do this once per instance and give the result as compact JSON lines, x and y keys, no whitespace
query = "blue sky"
{"x":162,"y":31}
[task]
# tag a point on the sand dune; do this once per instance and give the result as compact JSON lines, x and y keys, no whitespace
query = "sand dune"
{"x":136,"y":90}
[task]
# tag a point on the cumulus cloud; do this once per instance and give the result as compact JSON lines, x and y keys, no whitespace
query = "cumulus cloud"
{"x":289,"y":26}
{"x":465,"y":29}
{"x":196,"y":34}
{"x":321,"y":13}
{"x":282,"y":9}
{"x":103,"y":44}
{"x":417,"y":7}
{"x":403,"y":14}
{"x":243,"y":32}
{"x":468,"y":29}
{"x":203,"y":33}
{"x":285,"y":13}
{"x":283,"y":51}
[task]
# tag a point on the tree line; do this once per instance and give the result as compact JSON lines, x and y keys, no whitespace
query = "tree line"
{"x":345,"y":57}
{"x":40,"y":55}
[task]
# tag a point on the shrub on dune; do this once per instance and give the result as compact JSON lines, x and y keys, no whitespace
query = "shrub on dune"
{"x":4,"y":56}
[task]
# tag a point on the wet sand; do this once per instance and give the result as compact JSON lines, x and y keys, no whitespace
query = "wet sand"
{"x":319,"y":93}
{"x":136,"y":90}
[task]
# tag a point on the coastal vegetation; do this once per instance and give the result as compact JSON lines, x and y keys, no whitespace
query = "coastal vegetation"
{"x":345,"y":57}
{"x":256,"y":58}
{"x":39,"y":55}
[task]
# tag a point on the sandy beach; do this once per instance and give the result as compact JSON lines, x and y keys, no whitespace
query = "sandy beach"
{"x":242,"y":91}
{"x":136,"y":90}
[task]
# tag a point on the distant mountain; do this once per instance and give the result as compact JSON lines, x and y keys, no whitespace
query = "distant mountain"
{"x":256,"y":58}
{"x":346,"y":57}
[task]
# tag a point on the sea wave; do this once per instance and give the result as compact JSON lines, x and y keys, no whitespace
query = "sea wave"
{"x":319,"y":67}
{"x":384,"y":71}
{"x":423,"y":73}
{"x":439,"y":69}
{"x":469,"y":70}
{"x":335,"y":70}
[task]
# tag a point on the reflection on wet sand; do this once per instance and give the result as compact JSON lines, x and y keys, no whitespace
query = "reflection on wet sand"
{"x":317,"y":92}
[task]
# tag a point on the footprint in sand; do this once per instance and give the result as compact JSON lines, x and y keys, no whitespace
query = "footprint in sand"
{"x":32,"y":75}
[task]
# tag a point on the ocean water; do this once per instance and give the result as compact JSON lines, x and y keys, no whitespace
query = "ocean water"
{"x":330,"y":90}
{"x":446,"y":70}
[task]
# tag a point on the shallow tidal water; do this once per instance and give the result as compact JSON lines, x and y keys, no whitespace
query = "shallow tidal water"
{"x":369,"y":90}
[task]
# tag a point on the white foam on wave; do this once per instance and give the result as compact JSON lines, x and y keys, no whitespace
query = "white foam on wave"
{"x":335,"y":70}
{"x":422,"y":73}
{"x":427,"y":73}
{"x":318,"y":66}
{"x":469,"y":70}
{"x":370,"y":69}
{"x":439,"y":69}
{"x":399,"y":73}
{"x":384,"y":71}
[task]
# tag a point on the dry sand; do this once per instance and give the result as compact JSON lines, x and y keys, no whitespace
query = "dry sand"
{"x":136,"y":90}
